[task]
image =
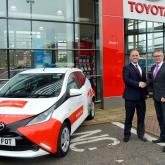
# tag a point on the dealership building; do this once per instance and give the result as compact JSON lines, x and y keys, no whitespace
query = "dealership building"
{"x":93,"y":35}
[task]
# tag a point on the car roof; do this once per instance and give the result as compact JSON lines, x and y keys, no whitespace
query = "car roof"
{"x":50,"y":70}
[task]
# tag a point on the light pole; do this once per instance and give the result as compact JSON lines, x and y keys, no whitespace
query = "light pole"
{"x":31,"y":2}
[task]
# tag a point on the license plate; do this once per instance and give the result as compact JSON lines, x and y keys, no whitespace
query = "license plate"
{"x":7,"y":141}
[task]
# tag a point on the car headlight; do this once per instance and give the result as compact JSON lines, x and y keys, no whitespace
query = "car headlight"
{"x":42,"y":117}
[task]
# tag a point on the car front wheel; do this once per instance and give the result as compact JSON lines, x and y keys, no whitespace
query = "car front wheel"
{"x":63,"y":140}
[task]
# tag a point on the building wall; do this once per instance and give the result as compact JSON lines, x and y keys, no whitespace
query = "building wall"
{"x":112,"y":52}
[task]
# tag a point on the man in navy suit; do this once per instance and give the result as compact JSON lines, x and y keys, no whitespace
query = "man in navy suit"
{"x":134,"y":94}
{"x":158,"y":83}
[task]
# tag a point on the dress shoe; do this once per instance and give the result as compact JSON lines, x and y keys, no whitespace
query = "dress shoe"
{"x":158,"y":140}
{"x":143,"y":139}
{"x":125,"y":139}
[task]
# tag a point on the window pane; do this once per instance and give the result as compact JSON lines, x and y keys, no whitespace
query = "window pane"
{"x":150,"y":61}
{"x":19,"y":61}
{"x":154,"y":26}
{"x":84,"y":10}
{"x":155,"y":40}
{"x":64,"y":58}
{"x":42,"y":58}
{"x":3,"y":65}
{"x":19,"y":34}
{"x":19,"y":8}
{"x":142,"y":60}
{"x":135,"y":26}
{"x":3,"y":34}
{"x":97,"y":38}
{"x":52,"y":35}
{"x":85,"y":37}
{"x":53,"y":10}
{"x":3,"y":8}
{"x":85,"y":60}
{"x":52,"y":58}
{"x":97,"y":11}
{"x":138,"y":42}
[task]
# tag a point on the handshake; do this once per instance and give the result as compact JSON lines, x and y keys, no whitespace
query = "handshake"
{"x":142,"y":84}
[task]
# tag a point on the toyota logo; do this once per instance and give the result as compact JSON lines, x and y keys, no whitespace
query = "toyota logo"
{"x":2,"y":126}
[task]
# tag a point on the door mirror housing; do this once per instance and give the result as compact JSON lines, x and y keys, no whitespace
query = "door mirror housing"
{"x":75,"y":92}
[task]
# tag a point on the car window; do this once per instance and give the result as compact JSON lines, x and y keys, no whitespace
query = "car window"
{"x":72,"y":82}
{"x":33,"y":85}
{"x":81,"y":78}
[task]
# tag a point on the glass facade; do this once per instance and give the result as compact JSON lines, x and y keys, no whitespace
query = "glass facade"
{"x":39,"y":33}
{"x":146,"y":37}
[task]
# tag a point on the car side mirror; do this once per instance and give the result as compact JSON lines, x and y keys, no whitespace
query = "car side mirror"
{"x":75,"y":92}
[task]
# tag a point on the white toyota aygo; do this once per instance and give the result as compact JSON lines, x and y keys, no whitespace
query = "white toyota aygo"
{"x":41,"y":108}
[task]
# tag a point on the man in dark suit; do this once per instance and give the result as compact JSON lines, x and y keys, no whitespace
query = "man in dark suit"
{"x":158,"y":82}
{"x":134,"y":94}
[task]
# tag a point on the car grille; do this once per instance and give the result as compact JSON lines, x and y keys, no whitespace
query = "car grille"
{"x":22,"y":144}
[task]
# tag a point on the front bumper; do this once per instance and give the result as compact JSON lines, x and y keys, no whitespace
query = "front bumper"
{"x":23,"y":154}
{"x":37,"y":139}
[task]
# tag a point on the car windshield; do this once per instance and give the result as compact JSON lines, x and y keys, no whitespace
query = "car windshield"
{"x":33,"y":85}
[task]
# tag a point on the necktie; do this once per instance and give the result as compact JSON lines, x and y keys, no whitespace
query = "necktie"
{"x":137,"y":69}
{"x":156,"y":71}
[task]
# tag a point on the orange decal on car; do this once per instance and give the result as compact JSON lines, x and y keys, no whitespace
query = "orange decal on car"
{"x":44,"y":134}
{"x":13,"y":103}
{"x":75,"y":115}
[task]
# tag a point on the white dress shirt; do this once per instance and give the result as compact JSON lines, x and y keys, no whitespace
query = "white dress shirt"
{"x":159,"y":66}
{"x":138,"y":68}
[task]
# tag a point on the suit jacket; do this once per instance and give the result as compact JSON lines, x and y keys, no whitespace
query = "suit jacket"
{"x":131,"y":79}
{"x":158,"y":83}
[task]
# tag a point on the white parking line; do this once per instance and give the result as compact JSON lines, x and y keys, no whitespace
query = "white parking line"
{"x":91,"y":149}
{"x":147,"y":136}
{"x":90,"y":137}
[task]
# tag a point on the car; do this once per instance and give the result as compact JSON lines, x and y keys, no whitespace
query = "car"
{"x":41,"y":108}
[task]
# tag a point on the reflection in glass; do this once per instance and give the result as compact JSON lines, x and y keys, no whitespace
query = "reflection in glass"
{"x":154,"y":26}
{"x":33,"y":85}
{"x":138,"y":42}
{"x":155,"y":41}
{"x":52,"y":58}
{"x":50,"y":35}
{"x":63,"y":58}
{"x":3,"y":65}
{"x":97,"y":11}
{"x":135,"y":26}
{"x":19,"y":61}
{"x":85,"y":36}
{"x":53,"y":10}
{"x":84,"y":10}
{"x":42,"y":58}
{"x":97,"y":38}
{"x":146,"y":40}
{"x":19,"y":8}
{"x":2,"y":8}
{"x":19,"y":34}
{"x":150,"y":61}
{"x":3,"y":34}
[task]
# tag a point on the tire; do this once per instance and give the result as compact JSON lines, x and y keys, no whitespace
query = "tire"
{"x":63,"y":140}
{"x":91,"y":109}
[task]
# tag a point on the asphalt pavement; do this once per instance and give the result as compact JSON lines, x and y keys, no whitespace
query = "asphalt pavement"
{"x":100,"y":144}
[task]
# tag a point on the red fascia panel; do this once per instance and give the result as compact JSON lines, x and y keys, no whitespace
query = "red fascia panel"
{"x":112,"y":7}
{"x":113,"y":55}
